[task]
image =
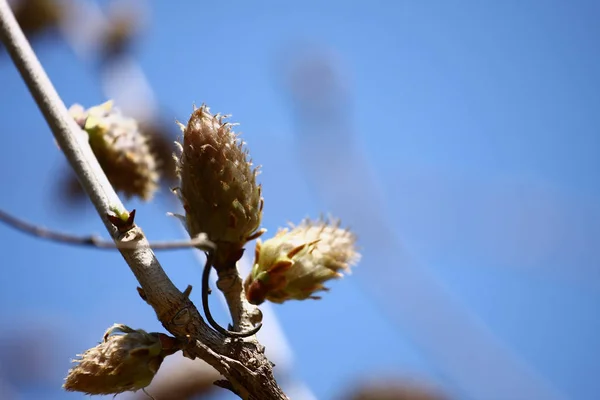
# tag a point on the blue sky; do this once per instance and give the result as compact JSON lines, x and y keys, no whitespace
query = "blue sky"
{"x":476,"y":123}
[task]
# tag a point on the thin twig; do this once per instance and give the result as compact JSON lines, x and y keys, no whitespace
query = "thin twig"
{"x":206,"y":291}
{"x":201,"y":241}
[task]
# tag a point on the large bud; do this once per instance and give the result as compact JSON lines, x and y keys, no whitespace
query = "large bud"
{"x":295,"y":263}
{"x":218,"y":186}
{"x":120,"y":363}
{"x":121,"y":149}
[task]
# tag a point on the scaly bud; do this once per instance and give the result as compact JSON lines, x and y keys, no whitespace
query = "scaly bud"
{"x":295,"y":263}
{"x":120,"y":363}
{"x":218,"y":185}
{"x":121,"y":149}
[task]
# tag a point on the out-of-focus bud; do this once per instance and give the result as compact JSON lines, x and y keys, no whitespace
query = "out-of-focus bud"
{"x":295,"y":263}
{"x":218,"y":185}
{"x":396,"y":390}
{"x":120,"y":363}
{"x":160,"y":141}
{"x":121,"y":149}
{"x":38,"y":16}
{"x":182,"y":379}
{"x":124,"y":24}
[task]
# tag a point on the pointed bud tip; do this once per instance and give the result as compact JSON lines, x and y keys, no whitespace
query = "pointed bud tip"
{"x":213,"y":171}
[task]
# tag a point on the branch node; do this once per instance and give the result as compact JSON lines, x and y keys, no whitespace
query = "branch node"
{"x":182,"y":318}
{"x":123,"y":221}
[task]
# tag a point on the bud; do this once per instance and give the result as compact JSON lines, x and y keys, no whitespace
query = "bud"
{"x":295,"y":263}
{"x":36,"y":17}
{"x":394,"y":389}
{"x":121,"y":149}
{"x":120,"y":363}
{"x":123,"y":25}
{"x":218,"y":184}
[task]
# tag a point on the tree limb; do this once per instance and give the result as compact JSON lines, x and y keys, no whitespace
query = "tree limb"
{"x":242,"y":362}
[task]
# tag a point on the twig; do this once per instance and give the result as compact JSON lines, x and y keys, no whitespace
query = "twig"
{"x":206,"y":291}
{"x":201,"y":242}
{"x":242,"y":362}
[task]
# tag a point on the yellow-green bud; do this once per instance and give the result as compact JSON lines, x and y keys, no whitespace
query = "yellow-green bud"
{"x":120,"y":363}
{"x":121,"y":149}
{"x":218,"y":186}
{"x":295,"y":263}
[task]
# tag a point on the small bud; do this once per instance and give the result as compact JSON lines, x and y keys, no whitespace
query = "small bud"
{"x":218,"y":184}
{"x":121,"y":149}
{"x":295,"y":263}
{"x":120,"y":363}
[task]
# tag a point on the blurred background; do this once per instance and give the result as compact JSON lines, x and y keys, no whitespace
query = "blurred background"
{"x":459,"y":140}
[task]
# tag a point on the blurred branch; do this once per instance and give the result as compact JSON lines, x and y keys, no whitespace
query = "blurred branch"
{"x":200,"y":242}
{"x":242,"y":362}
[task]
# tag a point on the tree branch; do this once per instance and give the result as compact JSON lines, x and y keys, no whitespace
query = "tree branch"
{"x":242,"y":362}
